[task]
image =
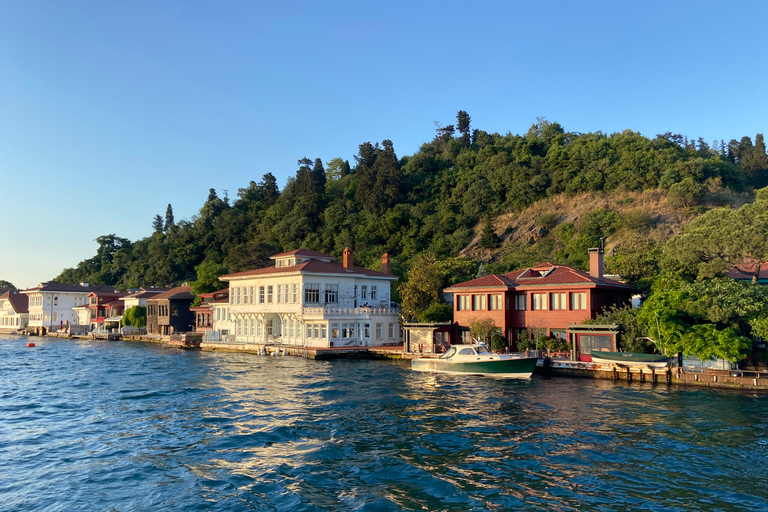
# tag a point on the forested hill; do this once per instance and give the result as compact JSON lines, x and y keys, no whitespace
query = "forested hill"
{"x":463,"y":182}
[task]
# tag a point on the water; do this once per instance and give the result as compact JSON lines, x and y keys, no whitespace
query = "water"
{"x":121,"y":426}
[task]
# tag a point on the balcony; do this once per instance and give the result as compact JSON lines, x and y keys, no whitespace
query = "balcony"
{"x":364,"y":312}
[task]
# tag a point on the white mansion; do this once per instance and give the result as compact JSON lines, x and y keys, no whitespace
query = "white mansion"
{"x":308,"y":299}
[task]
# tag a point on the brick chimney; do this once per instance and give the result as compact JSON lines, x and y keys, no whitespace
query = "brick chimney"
{"x":596,"y":262}
{"x":347,"y":257}
{"x":385,"y":263}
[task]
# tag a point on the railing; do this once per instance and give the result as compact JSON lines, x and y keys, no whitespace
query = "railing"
{"x":359,"y":311}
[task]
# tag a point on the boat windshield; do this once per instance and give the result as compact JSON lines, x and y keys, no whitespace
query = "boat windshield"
{"x":482,"y":349}
{"x":448,"y":354}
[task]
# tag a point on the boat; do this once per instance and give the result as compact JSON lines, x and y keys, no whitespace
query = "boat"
{"x":477,"y":359}
{"x":630,"y":359}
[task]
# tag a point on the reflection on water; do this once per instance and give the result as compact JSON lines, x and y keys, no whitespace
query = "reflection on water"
{"x":128,"y":426}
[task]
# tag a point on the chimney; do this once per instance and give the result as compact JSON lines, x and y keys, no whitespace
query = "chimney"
{"x":385,"y":263}
{"x":596,"y":262}
{"x":347,"y":257}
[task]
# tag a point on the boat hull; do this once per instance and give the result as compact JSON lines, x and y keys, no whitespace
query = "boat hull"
{"x":506,"y":368}
{"x":630,"y":359}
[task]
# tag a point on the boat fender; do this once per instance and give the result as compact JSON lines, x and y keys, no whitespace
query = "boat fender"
{"x":421,"y":347}
{"x":546,"y":363}
{"x":30,"y":344}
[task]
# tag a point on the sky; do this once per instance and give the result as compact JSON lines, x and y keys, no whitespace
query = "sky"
{"x":110,"y":110}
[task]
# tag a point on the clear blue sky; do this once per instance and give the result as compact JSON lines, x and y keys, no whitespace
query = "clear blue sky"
{"x":111,"y":110}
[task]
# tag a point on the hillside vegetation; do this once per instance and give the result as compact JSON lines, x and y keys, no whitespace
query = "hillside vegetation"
{"x":508,"y":200}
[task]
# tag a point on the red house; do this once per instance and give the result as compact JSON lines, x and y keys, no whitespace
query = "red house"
{"x":204,"y":312}
{"x":105,"y":305}
{"x":544,"y":299}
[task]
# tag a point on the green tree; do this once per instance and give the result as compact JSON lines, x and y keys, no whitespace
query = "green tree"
{"x":422,"y":287}
{"x":169,"y":223}
{"x":135,"y":316}
{"x":437,"y":312}
{"x":208,"y":273}
{"x":685,"y":194}
{"x":489,"y":239}
{"x":721,"y":238}
{"x":482,"y":329}
{"x":157,"y":224}
{"x":6,"y":285}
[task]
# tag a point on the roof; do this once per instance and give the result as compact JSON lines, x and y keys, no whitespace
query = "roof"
{"x":544,"y":274}
{"x":302,"y":252}
{"x":69,"y":287}
{"x":146,"y":294}
{"x":740,"y":271}
{"x":178,"y":293}
{"x":19,"y":302}
{"x":310,"y":267}
{"x":107,"y":293}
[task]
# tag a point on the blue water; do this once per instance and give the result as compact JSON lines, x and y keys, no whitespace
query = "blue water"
{"x":122,"y":426}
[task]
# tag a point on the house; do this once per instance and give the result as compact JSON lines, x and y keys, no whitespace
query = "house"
{"x":309,"y":299}
{"x":50,"y":304}
{"x":138,"y":297}
{"x":205,"y":313}
{"x":168,"y":312}
{"x":748,"y":271}
{"x":105,"y":306}
{"x":541,"y":300}
{"x":14,"y":311}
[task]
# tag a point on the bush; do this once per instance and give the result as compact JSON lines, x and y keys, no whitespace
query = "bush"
{"x":637,"y":220}
{"x":548,"y":220}
{"x":685,"y":194}
{"x":437,"y":312}
{"x":498,"y":343}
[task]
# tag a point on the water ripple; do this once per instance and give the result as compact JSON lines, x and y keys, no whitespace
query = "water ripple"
{"x":138,"y":427}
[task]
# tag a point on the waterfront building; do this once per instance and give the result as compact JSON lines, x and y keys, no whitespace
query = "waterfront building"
{"x":139,"y":297}
{"x":104,"y":306}
{"x":308,"y":299}
{"x":168,"y":312}
{"x":51,"y":304}
{"x":14,"y":311}
{"x":205,"y":314}
{"x":541,"y":300}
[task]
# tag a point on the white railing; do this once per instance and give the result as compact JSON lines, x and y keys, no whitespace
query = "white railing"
{"x":360,"y":311}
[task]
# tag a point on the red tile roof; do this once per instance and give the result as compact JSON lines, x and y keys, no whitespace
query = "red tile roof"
{"x":745,"y":270}
{"x":310,"y":267}
{"x":541,"y":275}
{"x":19,"y":301}
{"x":69,"y":287}
{"x":302,"y":252}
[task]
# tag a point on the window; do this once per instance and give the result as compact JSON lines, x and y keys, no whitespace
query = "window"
{"x":558,"y":301}
{"x":478,"y":302}
{"x":268,"y":329}
{"x":295,"y":293}
{"x":237,"y":300}
{"x":290,"y":328}
{"x":253,"y":328}
{"x":285,"y":298}
{"x":495,"y":302}
{"x":309,"y":330}
{"x":258,"y":327}
{"x":391,"y":331}
{"x":578,"y":300}
{"x":269,"y":294}
{"x":55,"y":302}
{"x":239,"y":326}
{"x":366,"y":331}
{"x":261,"y":295}
{"x":379,"y":331}
{"x":520,"y":302}
{"x":317,"y":330}
{"x":363,"y":292}
{"x":335,"y":331}
{"x":250,"y":296}
{"x":331,"y":293}
{"x":323,"y":332}
{"x":312,"y":293}
{"x":373,"y":292}
{"x":539,"y":301}
{"x":279,"y":292}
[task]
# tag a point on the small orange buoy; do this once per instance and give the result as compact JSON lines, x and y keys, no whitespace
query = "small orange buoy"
{"x":30,"y":344}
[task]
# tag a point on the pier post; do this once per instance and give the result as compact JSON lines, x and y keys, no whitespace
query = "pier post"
{"x":629,"y":375}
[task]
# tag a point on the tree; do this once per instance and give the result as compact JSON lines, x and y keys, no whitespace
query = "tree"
{"x":208,"y":273}
{"x":462,"y":123}
{"x":687,"y":193}
{"x":6,"y":285}
{"x":136,"y":316}
{"x":437,"y":312}
{"x":422,"y":288}
{"x":489,"y":239}
{"x":168,"y":218}
{"x":482,"y":329}
{"x":723,"y":238}
{"x":157,"y":224}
